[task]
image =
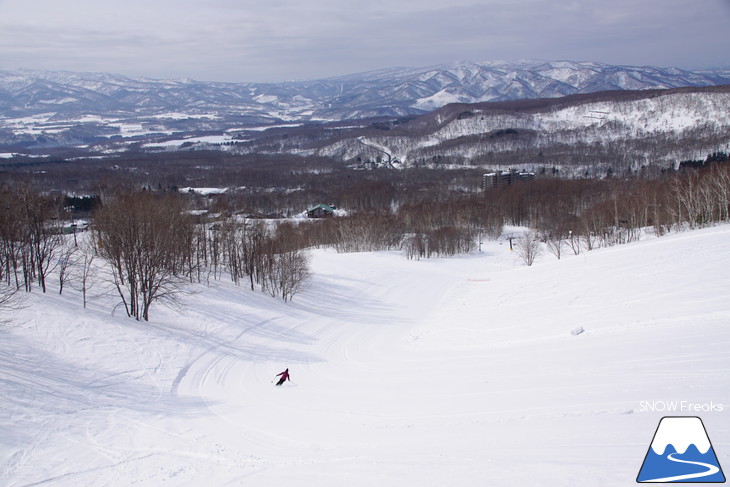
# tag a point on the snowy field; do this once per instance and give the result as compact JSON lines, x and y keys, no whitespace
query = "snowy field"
{"x":458,"y":372}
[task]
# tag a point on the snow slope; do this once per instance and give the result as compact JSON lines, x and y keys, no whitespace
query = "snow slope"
{"x":459,"y":371}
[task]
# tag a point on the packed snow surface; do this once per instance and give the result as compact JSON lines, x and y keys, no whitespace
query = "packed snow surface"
{"x":459,"y":371}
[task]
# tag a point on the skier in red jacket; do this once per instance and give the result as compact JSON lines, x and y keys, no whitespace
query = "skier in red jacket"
{"x":284,"y":377}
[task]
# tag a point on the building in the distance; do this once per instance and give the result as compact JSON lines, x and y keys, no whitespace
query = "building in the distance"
{"x":321,"y":211}
{"x":504,"y":178}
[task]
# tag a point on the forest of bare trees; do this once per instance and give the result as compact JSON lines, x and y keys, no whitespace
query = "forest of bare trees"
{"x":571,"y":215}
{"x":150,"y":245}
{"x":145,"y":244}
{"x":29,"y":238}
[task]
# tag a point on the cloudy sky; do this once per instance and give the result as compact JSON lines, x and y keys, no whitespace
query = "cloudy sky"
{"x":277,"y":40}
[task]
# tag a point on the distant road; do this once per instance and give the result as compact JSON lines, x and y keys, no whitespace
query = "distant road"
{"x":378,"y":148}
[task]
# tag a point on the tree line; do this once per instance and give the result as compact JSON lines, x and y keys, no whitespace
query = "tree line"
{"x":148,"y":244}
{"x":571,"y":215}
{"x":586,"y":214}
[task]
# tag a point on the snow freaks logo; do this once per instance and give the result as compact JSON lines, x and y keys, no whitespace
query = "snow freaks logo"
{"x":681,"y":407}
{"x":681,"y":452}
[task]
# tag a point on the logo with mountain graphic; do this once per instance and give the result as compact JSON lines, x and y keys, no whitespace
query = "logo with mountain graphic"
{"x":681,"y":452}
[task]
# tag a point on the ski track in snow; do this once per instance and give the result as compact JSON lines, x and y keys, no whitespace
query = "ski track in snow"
{"x":340,"y":335}
{"x":454,"y":371}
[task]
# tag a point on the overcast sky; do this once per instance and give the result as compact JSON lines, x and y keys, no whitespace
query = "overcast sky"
{"x":277,"y":40}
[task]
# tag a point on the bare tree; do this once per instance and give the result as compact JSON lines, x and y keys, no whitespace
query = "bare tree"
{"x":528,"y":247}
{"x":285,"y":273}
{"x":139,"y":235}
{"x":9,"y":299}
{"x":721,"y":187}
{"x":555,"y":245}
{"x":66,"y":262}
{"x":40,"y":235}
{"x":85,"y":272}
{"x":574,"y":242}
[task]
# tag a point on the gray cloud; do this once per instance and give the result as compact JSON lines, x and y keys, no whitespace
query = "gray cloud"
{"x":251,"y":40}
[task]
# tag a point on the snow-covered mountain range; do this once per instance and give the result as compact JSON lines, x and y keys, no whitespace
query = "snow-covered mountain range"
{"x":388,"y":92}
{"x":52,"y":109}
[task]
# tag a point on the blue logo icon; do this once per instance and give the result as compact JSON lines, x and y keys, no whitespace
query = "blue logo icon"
{"x":681,"y":452}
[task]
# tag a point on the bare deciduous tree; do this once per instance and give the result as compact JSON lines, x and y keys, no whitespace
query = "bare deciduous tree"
{"x":528,"y":248}
{"x":9,"y":299}
{"x":139,"y":236}
{"x":574,"y":242}
{"x":66,"y":261}
{"x":555,"y":245}
{"x":285,"y":273}
{"x":41,"y":235}
{"x":84,"y":270}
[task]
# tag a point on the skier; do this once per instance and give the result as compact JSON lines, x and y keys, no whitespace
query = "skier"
{"x":284,"y":377}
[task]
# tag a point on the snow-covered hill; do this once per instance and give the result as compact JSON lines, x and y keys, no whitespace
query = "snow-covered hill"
{"x":462,"y":371}
{"x":642,"y":128}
